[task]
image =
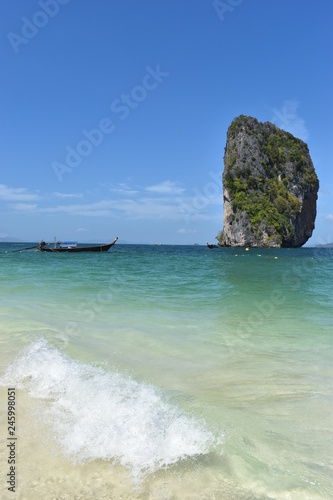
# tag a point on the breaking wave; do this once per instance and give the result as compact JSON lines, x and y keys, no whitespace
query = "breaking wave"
{"x":98,"y":414}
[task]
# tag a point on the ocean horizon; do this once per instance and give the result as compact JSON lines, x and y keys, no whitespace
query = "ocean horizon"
{"x":168,"y":372}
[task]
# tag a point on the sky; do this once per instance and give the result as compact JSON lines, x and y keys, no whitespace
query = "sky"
{"x":114,"y":114}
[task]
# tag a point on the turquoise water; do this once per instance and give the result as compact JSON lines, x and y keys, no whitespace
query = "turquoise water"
{"x":169,"y":372}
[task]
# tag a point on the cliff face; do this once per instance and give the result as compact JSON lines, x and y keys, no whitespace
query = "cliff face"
{"x":269,"y":187}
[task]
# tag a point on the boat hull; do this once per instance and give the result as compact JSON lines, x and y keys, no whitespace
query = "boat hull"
{"x":93,"y":248}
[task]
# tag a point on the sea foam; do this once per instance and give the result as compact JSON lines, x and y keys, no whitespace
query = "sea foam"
{"x":98,"y":414}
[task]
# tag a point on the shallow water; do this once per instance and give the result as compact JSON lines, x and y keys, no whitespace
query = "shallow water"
{"x":169,"y":372}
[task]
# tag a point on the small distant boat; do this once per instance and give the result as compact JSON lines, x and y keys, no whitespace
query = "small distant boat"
{"x":72,"y":246}
{"x":211,"y":245}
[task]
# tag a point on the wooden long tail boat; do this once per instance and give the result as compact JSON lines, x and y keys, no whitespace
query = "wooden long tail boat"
{"x":72,"y":247}
{"x":212,"y":245}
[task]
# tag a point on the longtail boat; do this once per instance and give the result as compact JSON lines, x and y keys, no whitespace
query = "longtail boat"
{"x":212,"y":245}
{"x":72,"y":246}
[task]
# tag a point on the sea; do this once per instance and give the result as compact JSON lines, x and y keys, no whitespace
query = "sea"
{"x":166,"y":372}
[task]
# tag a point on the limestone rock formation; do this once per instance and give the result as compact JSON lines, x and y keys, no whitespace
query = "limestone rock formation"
{"x":269,"y":187}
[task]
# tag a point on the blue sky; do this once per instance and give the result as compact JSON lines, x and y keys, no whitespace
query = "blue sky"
{"x":114,"y":113}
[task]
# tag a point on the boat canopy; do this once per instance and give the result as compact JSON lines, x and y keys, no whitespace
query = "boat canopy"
{"x":67,"y":244}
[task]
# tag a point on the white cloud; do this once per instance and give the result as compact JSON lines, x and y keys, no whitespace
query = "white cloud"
{"x":16,"y":194}
{"x":146,"y":208}
{"x":97,"y":209}
{"x":166,"y":187}
{"x":82,"y":230}
{"x":288,"y":119}
{"x":151,"y":203}
{"x":123,"y":188}
{"x":68,"y":195}
{"x":329,"y":217}
{"x":184,"y":230}
{"x":24,"y":207}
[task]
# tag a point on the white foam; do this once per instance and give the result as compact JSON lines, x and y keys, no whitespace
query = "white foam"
{"x":96,"y":414}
